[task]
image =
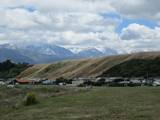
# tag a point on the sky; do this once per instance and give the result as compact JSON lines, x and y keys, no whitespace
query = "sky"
{"x":123,"y":25}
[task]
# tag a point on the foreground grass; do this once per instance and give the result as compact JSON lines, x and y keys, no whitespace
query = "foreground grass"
{"x":142,"y":103}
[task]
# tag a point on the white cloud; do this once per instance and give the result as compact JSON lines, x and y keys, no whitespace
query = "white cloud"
{"x":72,"y":22}
{"x":80,"y":23}
{"x":147,"y":9}
{"x":22,"y":19}
{"x":140,"y":38}
{"x":19,"y":18}
{"x":62,"y":5}
{"x":136,"y":31}
{"x":73,"y":5}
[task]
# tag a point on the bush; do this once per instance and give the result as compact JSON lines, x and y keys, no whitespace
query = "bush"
{"x":81,"y":85}
{"x":30,"y":99}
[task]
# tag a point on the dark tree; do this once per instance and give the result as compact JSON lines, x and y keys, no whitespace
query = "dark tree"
{"x":8,"y":69}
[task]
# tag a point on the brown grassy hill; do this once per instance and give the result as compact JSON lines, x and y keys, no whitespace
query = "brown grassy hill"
{"x":85,"y":67}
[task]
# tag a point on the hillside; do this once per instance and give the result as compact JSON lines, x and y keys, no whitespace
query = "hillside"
{"x":135,"y":68}
{"x":89,"y":67}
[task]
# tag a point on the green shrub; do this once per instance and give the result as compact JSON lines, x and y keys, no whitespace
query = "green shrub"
{"x":30,"y":99}
{"x":81,"y":85}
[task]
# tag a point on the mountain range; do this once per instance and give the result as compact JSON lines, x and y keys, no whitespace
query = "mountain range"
{"x":46,"y":53}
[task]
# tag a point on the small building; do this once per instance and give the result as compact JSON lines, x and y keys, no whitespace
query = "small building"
{"x":2,"y":83}
{"x":156,"y":82}
{"x":23,"y":81}
{"x":138,"y":81}
{"x":149,"y":82}
{"x":48,"y":82}
{"x":100,"y":81}
{"x":61,"y":83}
{"x":117,"y":79}
{"x":114,"y":81}
{"x":124,"y":83}
{"x":77,"y":82}
{"x":10,"y":81}
{"x":35,"y":81}
{"x":108,"y":81}
{"x":82,"y":81}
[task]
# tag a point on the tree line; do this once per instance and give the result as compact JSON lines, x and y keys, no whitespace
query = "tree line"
{"x":9,"y":69}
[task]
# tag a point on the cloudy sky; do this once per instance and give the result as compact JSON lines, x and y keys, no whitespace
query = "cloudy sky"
{"x":123,"y":25}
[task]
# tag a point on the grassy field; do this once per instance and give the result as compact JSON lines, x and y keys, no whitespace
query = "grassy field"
{"x":103,"y":103}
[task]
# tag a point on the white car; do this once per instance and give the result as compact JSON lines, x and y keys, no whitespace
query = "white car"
{"x":2,"y":83}
{"x":156,"y":83}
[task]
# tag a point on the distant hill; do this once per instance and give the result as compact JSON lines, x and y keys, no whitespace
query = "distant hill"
{"x":90,"y":53}
{"x":104,"y":66}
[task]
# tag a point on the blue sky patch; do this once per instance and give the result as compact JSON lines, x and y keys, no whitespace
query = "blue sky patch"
{"x":112,"y":15}
{"x":29,"y":8}
{"x":126,"y":22}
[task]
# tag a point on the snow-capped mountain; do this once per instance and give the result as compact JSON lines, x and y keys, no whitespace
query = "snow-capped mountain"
{"x":43,"y":53}
{"x":48,"y":49}
{"x":46,"y":53}
{"x":89,"y":53}
{"x":109,"y":51}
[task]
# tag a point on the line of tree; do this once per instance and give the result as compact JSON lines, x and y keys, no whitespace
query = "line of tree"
{"x":9,"y":69}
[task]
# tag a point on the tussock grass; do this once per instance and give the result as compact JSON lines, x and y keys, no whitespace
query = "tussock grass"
{"x":141,"y":103}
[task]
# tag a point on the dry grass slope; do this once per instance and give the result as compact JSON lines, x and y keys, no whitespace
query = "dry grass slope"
{"x":84,"y":67}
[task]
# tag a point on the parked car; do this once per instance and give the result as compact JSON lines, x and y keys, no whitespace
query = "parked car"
{"x":156,"y":83}
{"x":49,"y":82}
{"x":2,"y":83}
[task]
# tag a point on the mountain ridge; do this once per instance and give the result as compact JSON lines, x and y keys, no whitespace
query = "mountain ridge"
{"x":43,"y":53}
{"x":85,"y":67}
